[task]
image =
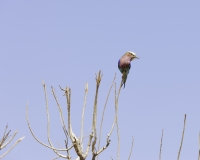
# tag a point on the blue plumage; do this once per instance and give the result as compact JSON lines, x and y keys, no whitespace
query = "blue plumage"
{"x":124,"y":65}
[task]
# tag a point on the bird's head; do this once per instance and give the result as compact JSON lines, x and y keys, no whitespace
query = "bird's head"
{"x":132,"y":55}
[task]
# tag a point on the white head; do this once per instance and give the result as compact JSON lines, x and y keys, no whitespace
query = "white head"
{"x":131,"y":54}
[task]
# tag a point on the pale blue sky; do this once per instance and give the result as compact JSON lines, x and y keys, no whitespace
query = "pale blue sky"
{"x":66,"y":42}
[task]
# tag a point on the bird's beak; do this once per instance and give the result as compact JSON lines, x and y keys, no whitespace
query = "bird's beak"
{"x":137,"y":57}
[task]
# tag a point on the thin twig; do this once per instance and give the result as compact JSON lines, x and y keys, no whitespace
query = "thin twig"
{"x":48,"y":122}
{"x":6,"y":134}
{"x":54,"y":149}
{"x":131,"y":149}
{"x":94,"y":129}
{"x":47,"y":112}
{"x":55,"y":158}
{"x":104,"y":112}
{"x":66,"y":146}
{"x":83,"y":112}
{"x":75,"y":141}
{"x":109,"y":134}
{"x":59,"y":145}
{"x":98,"y":80}
{"x":5,"y":144}
{"x":108,"y":143}
{"x":61,"y":116}
{"x":112,"y":128}
{"x":182,"y":137}
{"x":108,"y":139}
{"x":161,"y":145}
{"x":36,"y":137}
{"x":199,"y":147}
{"x":118,"y":133}
{"x":5,"y":137}
{"x":89,"y":144}
{"x":19,"y":140}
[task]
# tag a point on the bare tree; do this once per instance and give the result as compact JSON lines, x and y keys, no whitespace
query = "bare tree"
{"x":75,"y":141}
{"x":6,"y":139}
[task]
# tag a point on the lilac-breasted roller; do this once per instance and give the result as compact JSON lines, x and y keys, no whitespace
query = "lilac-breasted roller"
{"x":124,"y":65}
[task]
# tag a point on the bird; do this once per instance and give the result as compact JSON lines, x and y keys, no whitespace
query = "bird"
{"x":124,"y":65}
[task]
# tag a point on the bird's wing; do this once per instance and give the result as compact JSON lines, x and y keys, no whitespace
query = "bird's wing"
{"x":119,"y":63}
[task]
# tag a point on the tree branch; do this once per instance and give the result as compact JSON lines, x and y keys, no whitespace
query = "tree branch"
{"x":131,"y":149}
{"x":161,"y":145}
{"x":5,"y":137}
{"x":61,"y":115}
{"x":48,"y":123}
{"x":75,"y":141}
{"x":19,"y":140}
{"x":36,"y":137}
{"x":83,"y":112}
{"x":104,"y":111}
{"x":118,"y":133}
{"x":182,"y":137}
{"x":98,"y":80}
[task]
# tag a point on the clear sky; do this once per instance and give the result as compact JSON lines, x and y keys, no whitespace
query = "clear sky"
{"x":66,"y":42}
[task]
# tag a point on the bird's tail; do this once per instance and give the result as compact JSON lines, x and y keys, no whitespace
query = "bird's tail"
{"x":124,"y":77}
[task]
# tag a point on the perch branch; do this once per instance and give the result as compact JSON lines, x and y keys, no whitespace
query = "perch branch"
{"x":109,"y":134}
{"x":104,"y":111}
{"x":118,"y":133}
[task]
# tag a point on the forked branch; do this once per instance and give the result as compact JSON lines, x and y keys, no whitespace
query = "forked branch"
{"x":118,"y":133}
{"x":77,"y":143}
{"x":48,"y":127}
